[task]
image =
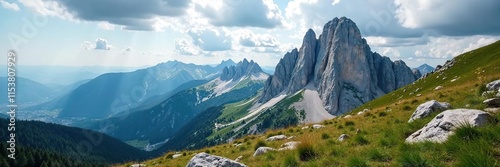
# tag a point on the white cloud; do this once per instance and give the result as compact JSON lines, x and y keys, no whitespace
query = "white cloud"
{"x":249,"y":39}
{"x":102,"y":44}
{"x":185,"y":47}
{"x":87,"y":45}
{"x":11,"y":6}
{"x":241,"y":13}
{"x":128,"y":49}
{"x":106,"y":26}
{"x":378,"y":41}
{"x":448,"y":47}
{"x":391,"y":52}
{"x":210,"y":39}
{"x":48,"y":8}
{"x":456,"y":18}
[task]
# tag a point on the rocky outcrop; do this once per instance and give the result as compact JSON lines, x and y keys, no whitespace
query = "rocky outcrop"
{"x":243,"y":68}
{"x":207,"y":160}
{"x":425,"y":109}
{"x":442,"y":126}
{"x":492,"y":102}
{"x":277,"y":137}
{"x":342,"y":67}
{"x":343,"y":137}
{"x":318,"y":126}
{"x":416,"y":72}
{"x":494,"y":85}
{"x":262,"y":150}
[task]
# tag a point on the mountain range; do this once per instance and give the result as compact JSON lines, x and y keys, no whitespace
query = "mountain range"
{"x":425,"y":68}
{"x":112,"y":93}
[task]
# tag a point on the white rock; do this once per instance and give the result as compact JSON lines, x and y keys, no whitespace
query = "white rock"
{"x":343,"y":137}
{"x":237,"y":144}
{"x":239,"y":158}
{"x":453,"y":80}
{"x":427,"y":108}
{"x":493,"y":110}
{"x":494,"y":85}
{"x":289,"y":145}
{"x":438,"y":88}
{"x":418,"y":95}
{"x":207,"y":160}
{"x":347,"y":116}
{"x":361,"y":112}
{"x":176,"y":156}
{"x":137,"y":165}
{"x":492,"y":102}
{"x":366,"y":110}
{"x":262,"y":150}
{"x":442,"y":126}
{"x":305,"y":127}
{"x":317,"y":126}
{"x":277,"y":137}
{"x":291,"y":137}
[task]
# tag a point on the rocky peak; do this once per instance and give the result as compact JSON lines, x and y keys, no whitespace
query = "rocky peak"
{"x":243,"y":68}
{"x":342,"y":67}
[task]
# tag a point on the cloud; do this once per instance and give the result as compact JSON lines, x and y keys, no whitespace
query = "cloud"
{"x":249,"y":39}
{"x":373,"y":18}
{"x":391,"y":52}
{"x":11,"y":6}
{"x":106,"y":26}
{"x":133,"y":15}
{"x":185,"y":47}
{"x":101,"y":44}
{"x":393,"y":42}
{"x":128,"y":49}
{"x":448,"y":47}
{"x":453,"y":18}
{"x":241,"y":13}
{"x":209,"y":39}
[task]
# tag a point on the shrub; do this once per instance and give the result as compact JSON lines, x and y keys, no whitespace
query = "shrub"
{"x":260,"y":143}
{"x":340,"y":127}
{"x":411,"y":159}
{"x":376,"y":155}
{"x":407,"y":108}
{"x":290,"y":161}
{"x":325,"y":136}
{"x":270,"y":156}
{"x":360,"y":140}
{"x":467,"y":132}
{"x":357,"y":162}
{"x":414,"y":101}
{"x":306,"y":151}
{"x":382,"y":114}
{"x":349,"y":123}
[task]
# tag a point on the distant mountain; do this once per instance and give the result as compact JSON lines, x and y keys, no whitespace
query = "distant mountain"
{"x":225,"y":63}
{"x":3,"y":116}
{"x":73,"y":144}
{"x":27,"y":91}
{"x":425,"y":68}
{"x":111,"y":93}
{"x":65,"y":75}
{"x":157,"y":124}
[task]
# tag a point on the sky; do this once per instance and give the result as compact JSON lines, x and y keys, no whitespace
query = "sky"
{"x":135,"y":33}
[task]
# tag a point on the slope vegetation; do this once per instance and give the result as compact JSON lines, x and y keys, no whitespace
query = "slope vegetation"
{"x":377,"y":137}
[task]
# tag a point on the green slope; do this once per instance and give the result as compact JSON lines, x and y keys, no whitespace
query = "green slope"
{"x":382,"y":130}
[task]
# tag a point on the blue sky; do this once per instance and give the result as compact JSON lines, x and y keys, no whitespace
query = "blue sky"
{"x":143,"y":33}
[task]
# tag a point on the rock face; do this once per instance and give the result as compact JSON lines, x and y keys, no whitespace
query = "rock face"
{"x":341,"y":66}
{"x":207,"y":160}
{"x":442,"y":126}
{"x":243,"y":68}
{"x":343,"y":137}
{"x":494,"y":85}
{"x":262,"y":150}
{"x":425,"y":68}
{"x":425,"y":109}
{"x":277,"y":137}
{"x":493,"y":102}
{"x":416,"y":72}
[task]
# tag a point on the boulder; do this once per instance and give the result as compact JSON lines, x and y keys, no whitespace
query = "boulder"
{"x":289,"y":145}
{"x":277,"y":137}
{"x":317,"y":126}
{"x":442,"y":126}
{"x":493,"y":102}
{"x":425,"y":109}
{"x":262,"y":150}
{"x":347,"y":116}
{"x":239,"y":158}
{"x":488,"y":93}
{"x":343,"y":137}
{"x":176,"y":156}
{"x":305,"y":127}
{"x":494,"y":85}
{"x":137,"y":165}
{"x":207,"y":160}
{"x":438,"y":88}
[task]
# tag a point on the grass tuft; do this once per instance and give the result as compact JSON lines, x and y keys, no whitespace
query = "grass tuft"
{"x":357,"y":162}
{"x":306,"y":151}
